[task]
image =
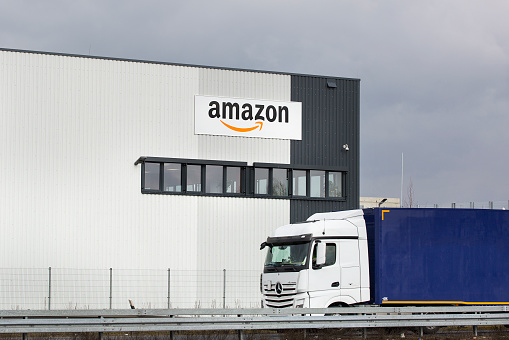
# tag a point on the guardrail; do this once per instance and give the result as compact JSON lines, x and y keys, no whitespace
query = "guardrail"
{"x":152,"y":320}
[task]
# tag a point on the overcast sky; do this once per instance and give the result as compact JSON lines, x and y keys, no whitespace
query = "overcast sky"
{"x":434,"y":73}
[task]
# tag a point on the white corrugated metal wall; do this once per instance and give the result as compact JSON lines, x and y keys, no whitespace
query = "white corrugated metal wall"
{"x":70,"y":131}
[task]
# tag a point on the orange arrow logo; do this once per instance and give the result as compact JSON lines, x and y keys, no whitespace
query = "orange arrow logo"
{"x":243,"y":129}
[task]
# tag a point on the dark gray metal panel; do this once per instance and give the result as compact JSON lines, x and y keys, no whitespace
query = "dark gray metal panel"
{"x":330,"y":119}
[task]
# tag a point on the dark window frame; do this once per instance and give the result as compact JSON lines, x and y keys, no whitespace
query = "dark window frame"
{"x":247,"y":178}
{"x":162,"y":178}
{"x":269,"y":180}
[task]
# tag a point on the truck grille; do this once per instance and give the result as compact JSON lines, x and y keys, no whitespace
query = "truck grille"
{"x":283,"y":300}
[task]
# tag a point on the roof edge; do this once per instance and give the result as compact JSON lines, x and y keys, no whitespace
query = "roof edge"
{"x":171,"y":64}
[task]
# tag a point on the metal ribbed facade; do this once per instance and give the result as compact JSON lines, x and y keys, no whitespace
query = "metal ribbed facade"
{"x":331,"y":119}
{"x":71,"y":128}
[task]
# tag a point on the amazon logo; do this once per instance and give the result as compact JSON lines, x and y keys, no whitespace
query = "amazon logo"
{"x":259,"y":114}
{"x":247,"y":118}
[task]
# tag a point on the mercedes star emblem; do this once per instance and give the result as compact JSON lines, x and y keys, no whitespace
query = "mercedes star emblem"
{"x":279,"y":288}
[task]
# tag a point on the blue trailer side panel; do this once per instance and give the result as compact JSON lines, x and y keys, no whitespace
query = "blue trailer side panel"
{"x":438,"y":256}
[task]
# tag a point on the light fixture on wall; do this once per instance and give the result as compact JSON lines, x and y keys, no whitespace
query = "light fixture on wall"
{"x":346,"y":147}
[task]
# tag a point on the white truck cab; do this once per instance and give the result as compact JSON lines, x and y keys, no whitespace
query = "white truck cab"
{"x":319,"y":263}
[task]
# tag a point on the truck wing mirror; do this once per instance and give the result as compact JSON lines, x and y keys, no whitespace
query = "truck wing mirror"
{"x":320,"y":254}
{"x":263,"y":245}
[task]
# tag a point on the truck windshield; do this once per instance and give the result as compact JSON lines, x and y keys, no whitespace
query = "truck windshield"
{"x":287,"y":255}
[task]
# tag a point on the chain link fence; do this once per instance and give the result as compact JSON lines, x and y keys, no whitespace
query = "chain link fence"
{"x":61,"y":289}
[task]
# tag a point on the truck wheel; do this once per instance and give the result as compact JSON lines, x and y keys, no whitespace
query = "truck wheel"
{"x":339,"y":331}
{"x":430,"y":329}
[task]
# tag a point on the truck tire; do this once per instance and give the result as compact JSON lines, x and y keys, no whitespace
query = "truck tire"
{"x":339,"y":331}
{"x":430,"y":329}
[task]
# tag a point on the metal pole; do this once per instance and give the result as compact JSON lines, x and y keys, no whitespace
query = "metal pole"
{"x":111,"y":286}
{"x":168,"y":288}
{"x":49,"y":288}
{"x":401,"y":194}
{"x":224,"y":288}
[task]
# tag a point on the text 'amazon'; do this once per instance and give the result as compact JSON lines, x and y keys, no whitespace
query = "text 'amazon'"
{"x":248,"y":117}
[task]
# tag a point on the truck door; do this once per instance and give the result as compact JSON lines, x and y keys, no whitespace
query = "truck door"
{"x":324,"y":281}
{"x":349,"y":268}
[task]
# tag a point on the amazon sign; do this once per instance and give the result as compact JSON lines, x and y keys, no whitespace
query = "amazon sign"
{"x":247,"y":118}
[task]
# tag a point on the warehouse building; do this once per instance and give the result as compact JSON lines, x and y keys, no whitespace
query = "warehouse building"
{"x":130,"y":164}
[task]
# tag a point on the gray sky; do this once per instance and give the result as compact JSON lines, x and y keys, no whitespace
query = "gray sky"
{"x":434,"y":74}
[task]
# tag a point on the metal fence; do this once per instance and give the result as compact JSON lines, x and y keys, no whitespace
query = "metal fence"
{"x":500,"y":205}
{"x":66,"y":289}
{"x":171,"y":320}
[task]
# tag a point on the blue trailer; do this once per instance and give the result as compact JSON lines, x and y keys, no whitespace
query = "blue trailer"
{"x":438,"y":256}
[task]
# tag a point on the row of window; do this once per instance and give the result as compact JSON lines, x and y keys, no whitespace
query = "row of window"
{"x":305,"y":183}
{"x":179,"y":178}
{"x":184,"y":177}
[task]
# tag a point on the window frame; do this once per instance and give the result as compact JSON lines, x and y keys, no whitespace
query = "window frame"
{"x":269,"y":180}
{"x":328,"y":245}
{"x":163,"y":177}
{"x":247,"y":178}
{"x":242,"y":180}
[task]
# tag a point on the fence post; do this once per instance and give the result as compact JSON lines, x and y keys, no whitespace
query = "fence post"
{"x":25,"y":335}
{"x":224,"y":288}
{"x":490,"y":203}
{"x":49,"y":288}
{"x":168,"y":288}
{"x":111,"y":286}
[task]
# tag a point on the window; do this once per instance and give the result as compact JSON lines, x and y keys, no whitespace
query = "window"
{"x":261,"y":181}
{"x":299,"y":183}
{"x":229,"y":178}
{"x":317,"y":182}
{"x":280,"y":182}
{"x":172,"y":177}
{"x":214,"y":179}
{"x":335,"y":184}
{"x":194,"y":178}
{"x":151,"y":176}
{"x":233,"y":180}
{"x":330,"y":255}
{"x":287,"y":254}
